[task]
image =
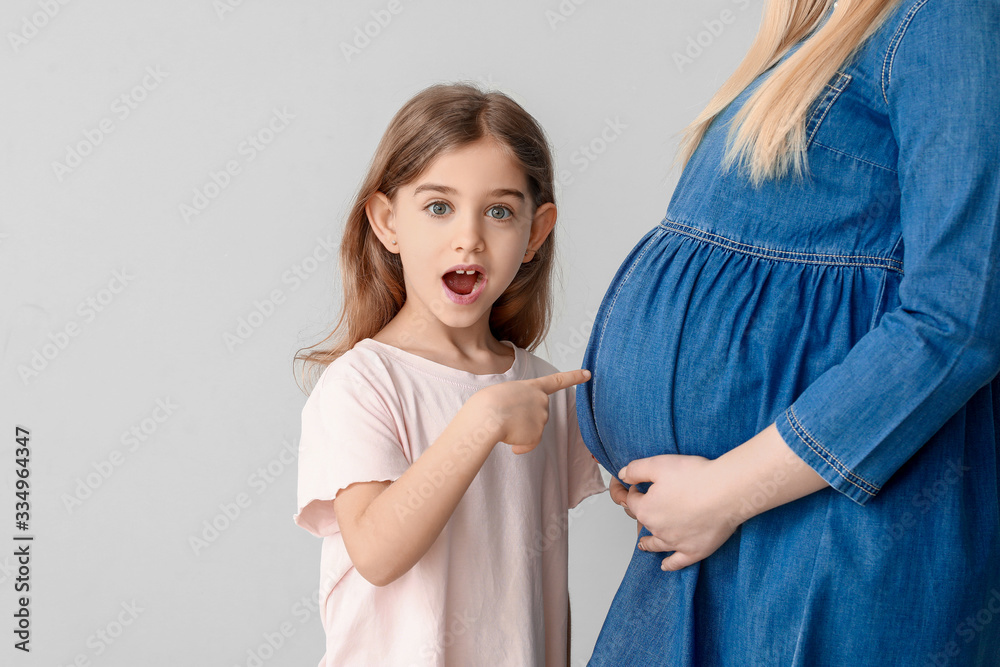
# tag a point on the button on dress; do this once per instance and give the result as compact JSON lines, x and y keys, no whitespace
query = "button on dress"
{"x":858,"y":308}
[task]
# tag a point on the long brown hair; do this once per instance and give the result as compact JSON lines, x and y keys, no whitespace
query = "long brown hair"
{"x":768,"y":134}
{"x":438,"y":119}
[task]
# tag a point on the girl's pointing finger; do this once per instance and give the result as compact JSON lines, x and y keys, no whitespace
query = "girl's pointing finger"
{"x":550,"y":384}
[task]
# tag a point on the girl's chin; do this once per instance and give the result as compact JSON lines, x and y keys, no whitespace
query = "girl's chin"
{"x":440,"y":309}
{"x":467,"y":321}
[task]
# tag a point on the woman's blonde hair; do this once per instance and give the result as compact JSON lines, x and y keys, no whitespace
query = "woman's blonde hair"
{"x":438,"y":119}
{"x":768,"y":135}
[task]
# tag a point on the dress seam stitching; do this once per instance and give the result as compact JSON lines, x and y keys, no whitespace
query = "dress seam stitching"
{"x":842,"y":82}
{"x":824,"y":453}
{"x":878,"y":301}
{"x":890,"y":55}
{"x":855,"y":157}
{"x":781,"y":255}
{"x":604,"y":328}
{"x":881,"y":290}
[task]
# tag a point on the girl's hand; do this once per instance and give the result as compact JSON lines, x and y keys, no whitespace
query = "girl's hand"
{"x":684,"y":507}
{"x":518,"y":410}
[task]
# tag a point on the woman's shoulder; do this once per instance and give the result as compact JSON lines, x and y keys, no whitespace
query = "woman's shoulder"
{"x":912,"y":12}
{"x":947,"y":45}
{"x":942,"y":29}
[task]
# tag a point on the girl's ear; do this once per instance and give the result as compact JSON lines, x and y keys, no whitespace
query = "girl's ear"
{"x":541,"y":225}
{"x":379,"y":212}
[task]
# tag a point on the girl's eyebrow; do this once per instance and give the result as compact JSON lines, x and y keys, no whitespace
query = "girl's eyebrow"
{"x":507,"y":192}
{"x":445,"y":190}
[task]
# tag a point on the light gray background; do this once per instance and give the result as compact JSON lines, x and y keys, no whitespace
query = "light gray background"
{"x":118,"y":546}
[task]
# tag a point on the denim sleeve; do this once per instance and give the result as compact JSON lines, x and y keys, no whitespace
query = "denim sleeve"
{"x":859,"y":421}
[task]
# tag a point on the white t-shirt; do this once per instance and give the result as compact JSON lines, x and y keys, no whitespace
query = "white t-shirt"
{"x":492,"y":589}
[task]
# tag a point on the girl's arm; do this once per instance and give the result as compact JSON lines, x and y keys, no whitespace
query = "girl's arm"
{"x":388,"y":526}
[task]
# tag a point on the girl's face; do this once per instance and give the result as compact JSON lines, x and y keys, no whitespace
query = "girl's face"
{"x":462,"y":229}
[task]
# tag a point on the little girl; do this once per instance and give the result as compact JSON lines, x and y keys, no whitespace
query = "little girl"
{"x":439,"y":457}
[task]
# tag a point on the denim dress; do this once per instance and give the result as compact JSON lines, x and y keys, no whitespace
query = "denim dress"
{"x":858,"y":308}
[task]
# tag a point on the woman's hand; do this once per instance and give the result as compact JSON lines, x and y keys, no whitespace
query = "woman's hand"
{"x":693,"y":504}
{"x":685,"y":507}
{"x":619,"y":494}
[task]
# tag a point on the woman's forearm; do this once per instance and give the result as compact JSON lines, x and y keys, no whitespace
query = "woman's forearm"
{"x":764,"y":473}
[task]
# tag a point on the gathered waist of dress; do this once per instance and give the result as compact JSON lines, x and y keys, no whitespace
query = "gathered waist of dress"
{"x":827,"y":259}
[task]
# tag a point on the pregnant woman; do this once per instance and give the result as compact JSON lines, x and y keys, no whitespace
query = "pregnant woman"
{"x":795,"y":372}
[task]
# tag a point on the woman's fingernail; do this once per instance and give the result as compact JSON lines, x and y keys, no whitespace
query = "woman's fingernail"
{"x":642,"y":547}
{"x":621,"y":473}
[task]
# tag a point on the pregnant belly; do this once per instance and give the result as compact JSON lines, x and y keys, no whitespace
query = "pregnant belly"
{"x":697,"y":348}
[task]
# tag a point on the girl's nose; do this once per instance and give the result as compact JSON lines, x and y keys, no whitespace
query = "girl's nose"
{"x":468,"y":234}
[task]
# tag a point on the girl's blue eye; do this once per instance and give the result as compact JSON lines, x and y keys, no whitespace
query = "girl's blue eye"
{"x":439,"y":208}
{"x":500,"y":213}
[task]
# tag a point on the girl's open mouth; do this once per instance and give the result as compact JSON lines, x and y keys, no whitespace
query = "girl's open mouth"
{"x":463,"y":285}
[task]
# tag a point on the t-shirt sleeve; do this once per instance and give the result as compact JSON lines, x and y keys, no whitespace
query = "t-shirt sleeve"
{"x":348,"y":436}
{"x":584,"y":473}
